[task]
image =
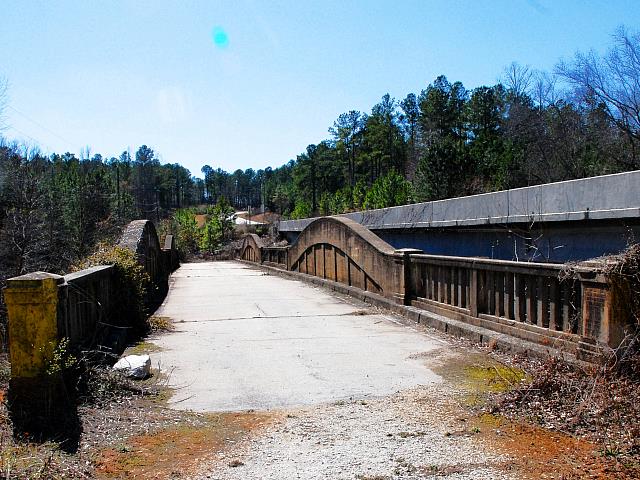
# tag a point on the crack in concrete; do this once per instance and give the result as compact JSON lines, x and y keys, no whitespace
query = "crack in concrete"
{"x":355,"y":313}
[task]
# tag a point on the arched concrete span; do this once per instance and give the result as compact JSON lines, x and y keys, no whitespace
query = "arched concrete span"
{"x":251,"y":248}
{"x":344,"y":251}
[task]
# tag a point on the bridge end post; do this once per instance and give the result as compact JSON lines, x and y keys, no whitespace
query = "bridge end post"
{"x":39,"y":402}
{"x":605,"y":311}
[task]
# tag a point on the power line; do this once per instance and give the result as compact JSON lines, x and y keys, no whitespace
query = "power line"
{"x":37,"y":142}
{"x":39,"y":124}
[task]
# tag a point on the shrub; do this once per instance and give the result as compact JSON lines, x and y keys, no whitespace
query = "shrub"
{"x":132,"y":284}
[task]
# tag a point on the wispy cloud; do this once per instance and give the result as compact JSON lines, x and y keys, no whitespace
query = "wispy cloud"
{"x":172,"y":104}
{"x":537,"y":6}
{"x":268,"y":32}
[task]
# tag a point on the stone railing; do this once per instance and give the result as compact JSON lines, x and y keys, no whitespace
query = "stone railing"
{"x":276,"y":256}
{"x":44,"y":308}
{"x":524,"y":300}
{"x":84,"y":301}
{"x":533,"y":302}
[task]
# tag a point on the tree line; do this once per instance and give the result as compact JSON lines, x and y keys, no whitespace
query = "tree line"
{"x":56,"y":208}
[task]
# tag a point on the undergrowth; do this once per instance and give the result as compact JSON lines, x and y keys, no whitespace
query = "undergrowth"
{"x":128,"y":301}
{"x":599,"y":403}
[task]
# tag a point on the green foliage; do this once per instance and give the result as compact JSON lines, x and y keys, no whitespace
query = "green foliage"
{"x":132,"y":284}
{"x":218,"y":226}
{"x":61,"y":359}
{"x":188,"y":235}
{"x":341,"y":201}
{"x":325,"y":204}
{"x":192,"y":238}
{"x":388,"y":191}
{"x":302,"y":210}
{"x":223,"y":212}
{"x":211,"y":238}
{"x":359,"y":194}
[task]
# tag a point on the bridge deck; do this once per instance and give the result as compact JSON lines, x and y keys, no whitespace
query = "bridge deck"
{"x":246,"y":340}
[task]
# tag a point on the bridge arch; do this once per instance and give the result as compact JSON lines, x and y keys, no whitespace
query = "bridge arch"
{"x":341,"y":250}
{"x":251,"y":249}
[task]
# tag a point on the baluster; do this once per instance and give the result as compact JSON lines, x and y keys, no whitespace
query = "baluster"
{"x":447,"y":283}
{"x":489,"y":292}
{"x":499,"y":294}
{"x":576,"y":301}
{"x":433,"y":286}
{"x":467,"y":287}
{"x":460,"y":288}
{"x":543,"y":296}
{"x":324,"y":261}
{"x":554,"y":304}
{"x":523,"y":298}
{"x":531,"y":300}
{"x":453,"y":281}
{"x":424,"y":275}
{"x":475,"y":293}
{"x":425,"y":278}
{"x":508,"y":295}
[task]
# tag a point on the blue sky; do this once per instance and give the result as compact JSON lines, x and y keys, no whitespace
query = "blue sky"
{"x":113,"y":75}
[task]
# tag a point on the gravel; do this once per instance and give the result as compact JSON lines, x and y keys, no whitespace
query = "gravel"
{"x":413,"y":434}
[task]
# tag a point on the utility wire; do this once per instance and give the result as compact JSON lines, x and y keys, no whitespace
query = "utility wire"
{"x":39,"y":124}
{"x":37,"y":142}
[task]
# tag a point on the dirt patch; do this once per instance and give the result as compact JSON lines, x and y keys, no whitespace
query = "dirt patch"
{"x":596,"y":408}
{"x":177,"y":451}
{"x":361,"y":312}
{"x":476,"y":375}
{"x":480,"y":380}
{"x":127,"y":432}
{"x":538,"y":453}
{"x":160,"y":324}
{"x":201,"y":220}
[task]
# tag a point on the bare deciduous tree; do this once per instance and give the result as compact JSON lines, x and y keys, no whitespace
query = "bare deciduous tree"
{"x":517,"y":79}
{"x":544,"y":91}
{"x":613,"y":79}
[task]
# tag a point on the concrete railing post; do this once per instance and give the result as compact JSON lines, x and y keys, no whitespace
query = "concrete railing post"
{"x":473,"y":293}
{"x":32,"y":307}
{"x":605,"y":318}
{"x":477,"y":292}
{"x":38,"y":399}
{"x":407,"y":289}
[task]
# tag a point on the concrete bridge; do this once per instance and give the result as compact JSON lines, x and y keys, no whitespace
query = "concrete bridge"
{"x":541,"y":308}
{"x":258,"y":334}
{"x":350,"y":391}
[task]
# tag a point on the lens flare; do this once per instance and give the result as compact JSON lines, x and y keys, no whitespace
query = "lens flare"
{"x":220,"y":37}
